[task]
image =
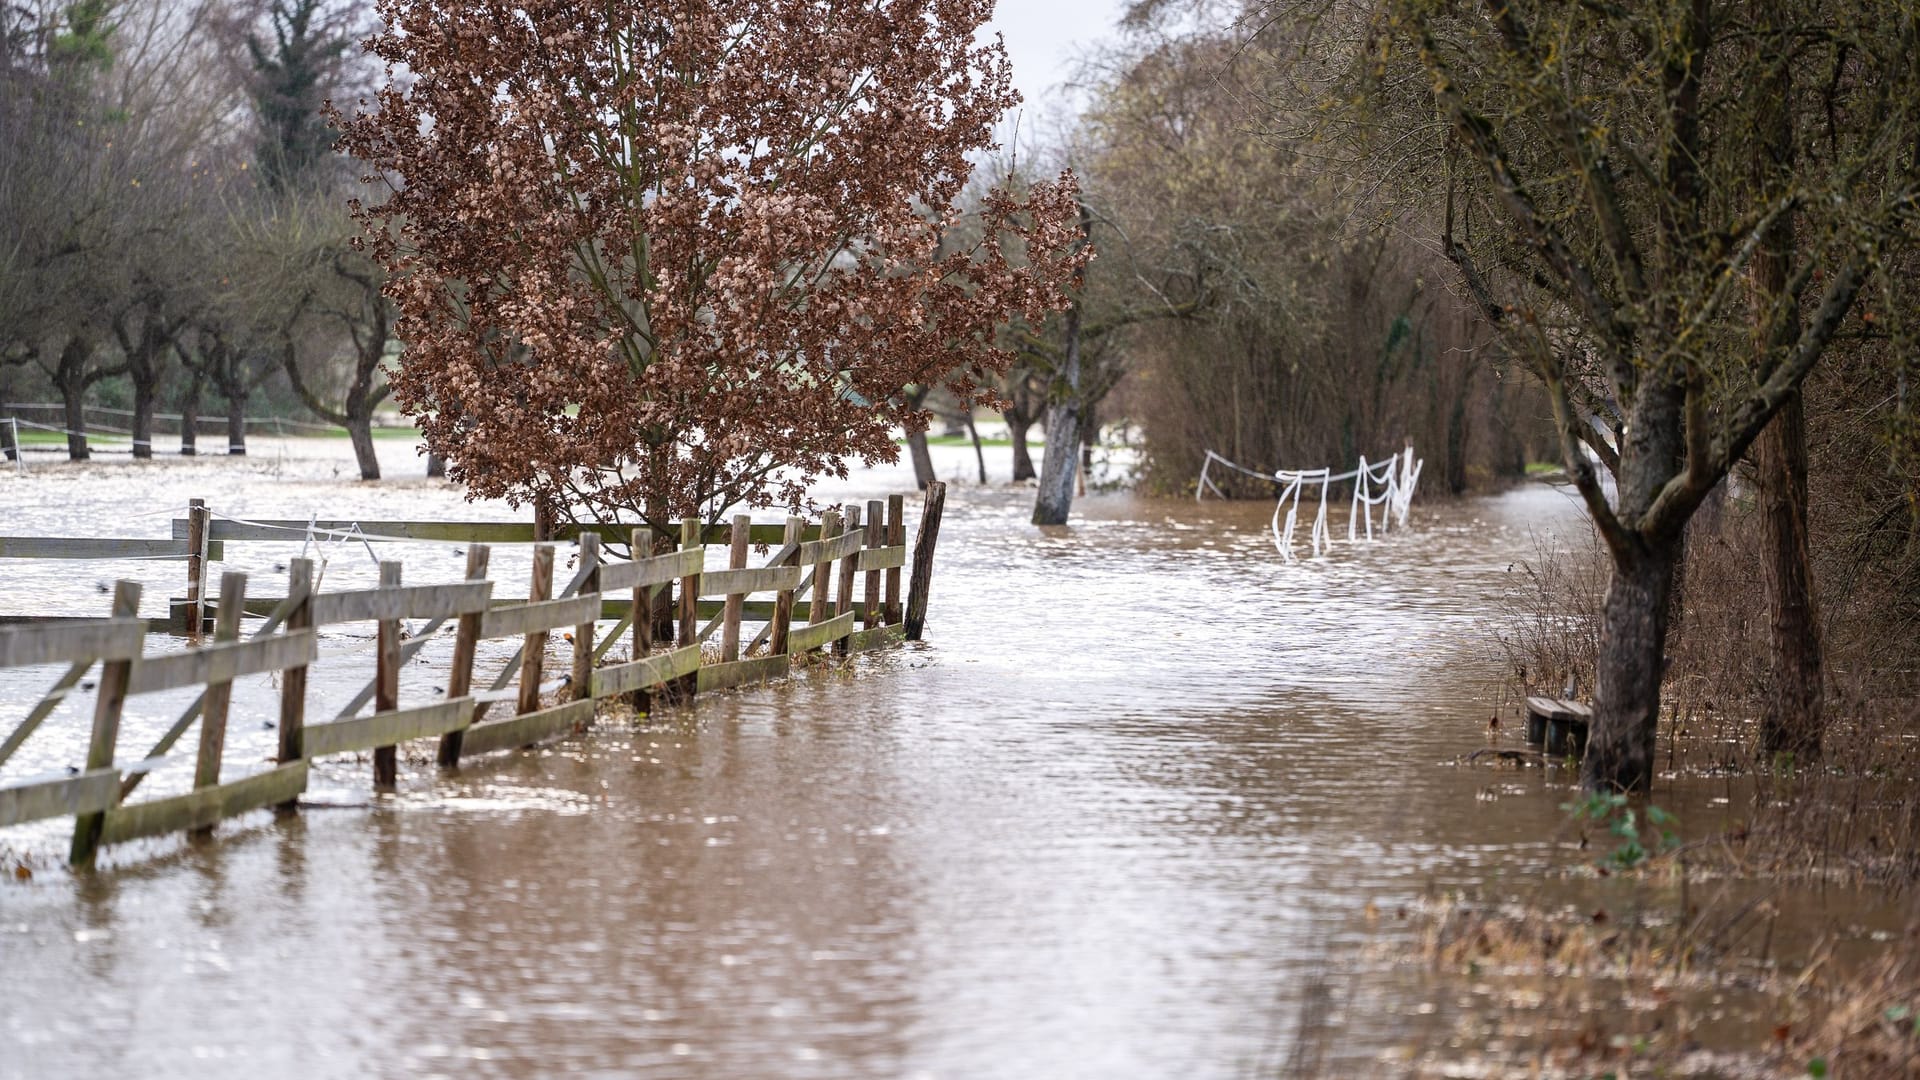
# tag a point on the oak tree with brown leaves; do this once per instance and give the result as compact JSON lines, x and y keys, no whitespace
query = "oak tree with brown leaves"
{"x":657,"y":258}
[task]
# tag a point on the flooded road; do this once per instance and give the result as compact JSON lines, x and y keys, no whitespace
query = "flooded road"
{"x":1121,"y":815}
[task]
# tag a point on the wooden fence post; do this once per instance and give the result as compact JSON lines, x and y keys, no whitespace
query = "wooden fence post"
{"x":896,"y":537}
{"x":783,"y":600}
{"x":106,"y":727}
{"x":533,"y":650}
{"x":293,"y":682}
{"x":386,"y":692}
{"x":197,"y":518}
{"x":213,"y":710}
{"x":583,"y":633}
{"x":870,"y":590}
{"x":849,"y":568}
{"x":643,"y":617}
{"x":736,"y":560}
{"x":923,"y":559}
{"x":466,"y":642}
{"x":661,"y":543}
{"x":823,"y":572}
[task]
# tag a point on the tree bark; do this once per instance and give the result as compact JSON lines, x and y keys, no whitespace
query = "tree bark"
{"x":1060,"y":463}
{"x":190,"y":416}
{"x":1632,"y":661}
{"x":979,"y":455}
{"x":144,"y":390}
{"x":1018,"y":424}
{"x":360,"y":429}
{"x":436,"y":466}
{"x":922,"y":459}
{"x":73,"y":395}
{"x":236,"y":424}
{"x":1794,"y":720}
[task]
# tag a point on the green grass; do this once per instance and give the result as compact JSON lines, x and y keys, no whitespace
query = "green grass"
{"x":1543,"y":468}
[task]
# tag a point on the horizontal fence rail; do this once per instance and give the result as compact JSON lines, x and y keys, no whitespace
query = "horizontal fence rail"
{"x":834,"y":584}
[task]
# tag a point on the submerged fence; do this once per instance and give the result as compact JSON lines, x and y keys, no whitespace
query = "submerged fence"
{"x":835,"y":585}
{"x":1388,"y":485}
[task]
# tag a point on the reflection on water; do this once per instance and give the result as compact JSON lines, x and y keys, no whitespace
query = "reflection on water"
{"x":1114,"y":818}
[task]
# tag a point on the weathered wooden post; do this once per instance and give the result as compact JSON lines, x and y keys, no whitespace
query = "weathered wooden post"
{"x":783,"y":600}
{"x":293,"y":682}
{"x":643,"y":616}
{"x":114,"y":676}
{"x":870,"y":589}
{"x":737,"y":537}
{"x":533,"y":650}
{"x":386,"y":691}
{"x":823,"y":571}
{"x":213,"y":709}
{"x":896,"y":537}
{"x":466,"y":642}
{"x":849,"y":567}
{"x":583,"y":632}
{"x":923,"y":546}
{"x":197,"y":518}
{"x":689,"y":631}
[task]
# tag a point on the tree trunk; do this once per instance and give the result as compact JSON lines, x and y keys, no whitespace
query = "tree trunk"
{"x":922,"y":459}
{"x":979,"y":455}
{"x":1632,"y":660}
{"x":1059,"y":464}
{"x":190,"y":417}
{"x":1794,"y":720}
{"x":73,"y":394}
{"x":236,"y":424}
{"x":143,"y":394}
{"x":436,"y":466}
{"x":360,"y":430}
{"x":1018,"y":424}
{"x":1089,"y":435}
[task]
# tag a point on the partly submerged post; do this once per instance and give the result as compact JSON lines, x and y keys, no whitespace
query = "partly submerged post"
{"x":823,"y":571}
{"x":849,"y":569}
{"x":642,"y":614}
{"x":876,"y":538}
{"x":114,"y":676}
{"x":689,"y":633}
{"x":737,"y":538}
{"x":533,"y":649}
{"x":896,"y":537}
{"x":219,"y":694}
{"x":466,"y":643}
{"x":293,"y":681}
{"x":197,"y":518}
{"x":923,"y":559}
{"x":783,"y":600}
{"x":583,"y":633}
{"x":386,"y":688}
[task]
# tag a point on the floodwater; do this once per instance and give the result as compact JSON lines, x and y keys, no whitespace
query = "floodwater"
{"x":1143,"y":800}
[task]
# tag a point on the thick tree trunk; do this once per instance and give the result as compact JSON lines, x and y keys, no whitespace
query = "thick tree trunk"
{"x":1795,"y":720}
{"x":236,"y":424}
{"x":73,"y":395}
{"x":922,"y":459}
{"x":190,"y":417}
{"x":143,"y":395}
{"x":360,"y":430}
{"x":1632,"y":660}
{"x":1059,"y":465}
{"x":436,"y":466}
{"x":1089,"y":435}
{"x":1018,"y":424}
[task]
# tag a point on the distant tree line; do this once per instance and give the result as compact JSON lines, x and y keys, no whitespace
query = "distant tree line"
{"x":173,"y":223}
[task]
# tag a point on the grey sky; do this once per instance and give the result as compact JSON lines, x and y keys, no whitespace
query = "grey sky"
{"x":1045,"y":36}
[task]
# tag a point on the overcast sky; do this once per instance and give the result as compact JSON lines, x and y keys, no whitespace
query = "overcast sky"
{"x":1045,"y":36}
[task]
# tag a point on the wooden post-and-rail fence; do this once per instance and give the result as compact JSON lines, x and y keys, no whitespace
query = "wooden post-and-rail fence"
{"x":825,"y":560}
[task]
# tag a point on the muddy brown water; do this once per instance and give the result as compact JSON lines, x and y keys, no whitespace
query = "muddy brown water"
{"x":1121,"y":815}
